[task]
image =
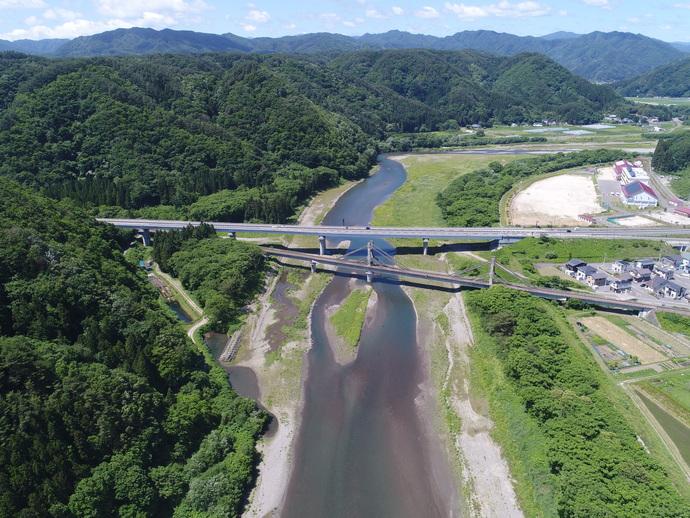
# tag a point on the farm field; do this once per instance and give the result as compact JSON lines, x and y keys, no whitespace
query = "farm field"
{"x":620,"y":338}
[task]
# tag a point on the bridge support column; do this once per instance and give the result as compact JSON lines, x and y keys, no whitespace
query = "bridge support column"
{"x":425,"y":245}
{"x":322,"y":245}
{"x":492,"y":270}
{"x":313,"y":267}
{"x":370,"y":277}
{"x":146,"y":237}
{"x":232,"y":235}
{"x":370,"y":253}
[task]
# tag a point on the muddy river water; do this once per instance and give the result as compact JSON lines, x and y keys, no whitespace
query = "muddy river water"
{"x":361,"y":448}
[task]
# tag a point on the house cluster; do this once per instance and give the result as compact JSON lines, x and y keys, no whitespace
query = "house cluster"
{"x":635,"y":188}
{"x":655,"y":278}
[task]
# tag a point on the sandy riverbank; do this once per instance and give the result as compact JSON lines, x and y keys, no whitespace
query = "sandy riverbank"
{"x":280,"y":382}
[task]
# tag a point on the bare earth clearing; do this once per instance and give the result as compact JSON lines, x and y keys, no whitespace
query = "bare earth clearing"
{"x":636,"y":221}
{"x":623,"y":340}
{"x":555,"y":201}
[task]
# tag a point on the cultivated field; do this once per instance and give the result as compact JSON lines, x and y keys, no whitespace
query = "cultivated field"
{"x":555,"y":201}
{"x":623,"y":340}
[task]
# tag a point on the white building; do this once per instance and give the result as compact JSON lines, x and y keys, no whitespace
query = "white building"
{"x":639,"y":194}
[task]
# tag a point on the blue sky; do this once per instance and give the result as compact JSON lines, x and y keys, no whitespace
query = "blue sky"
{"x":39,"y":19}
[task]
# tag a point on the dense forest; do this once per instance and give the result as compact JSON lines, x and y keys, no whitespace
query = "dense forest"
{"x":249,"y":138}
{"x":472,"y":200}
{"x":672,"y":157}
{"x":106,"y":407}
{"x":576,"y":446}
{"x":224,"y":275}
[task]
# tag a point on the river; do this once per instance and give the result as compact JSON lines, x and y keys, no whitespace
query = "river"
{"x":361,"y":448}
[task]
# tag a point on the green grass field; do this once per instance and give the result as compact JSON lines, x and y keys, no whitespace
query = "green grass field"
{"x":668,"y":101}
{"x":414,"y":204}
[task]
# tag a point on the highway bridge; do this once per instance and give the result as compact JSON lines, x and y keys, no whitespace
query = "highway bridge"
{"x":371,"y":271}
{"x":678,"y":236}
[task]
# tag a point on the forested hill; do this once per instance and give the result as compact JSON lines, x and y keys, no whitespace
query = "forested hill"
{"x":671,"y":80}
{"x":106,"y":407}
{"x":258,"y":133}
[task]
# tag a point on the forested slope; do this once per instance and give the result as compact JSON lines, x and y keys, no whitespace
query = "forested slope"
{"x":579,"y":456}
{"x":106,"y":407}
{"x":242,"y":137}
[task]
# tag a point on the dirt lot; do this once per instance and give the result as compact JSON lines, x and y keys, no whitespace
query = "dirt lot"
{"x":636,"y":221}
{"x":672,"y":217}
{"x":555,"y":201}
{"x":623,"y":340}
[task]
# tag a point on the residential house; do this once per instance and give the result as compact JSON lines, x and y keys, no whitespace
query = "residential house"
{"x":585,"y":271}
{"x":664,"y":272}
{"x":596,"y":279}
{"x":656,"y":286}
{"x":644,"y":264}
{"x":620,"y":266}
{"x":572,"y":266}
{"x":640,"y":274}
{"x":622,"y":284}
{"x":672,"y":261}
{"x":673,"y":290}
{"x":639,"y":194}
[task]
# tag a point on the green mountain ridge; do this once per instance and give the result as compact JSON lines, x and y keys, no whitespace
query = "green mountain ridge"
{"x":598,"y":56}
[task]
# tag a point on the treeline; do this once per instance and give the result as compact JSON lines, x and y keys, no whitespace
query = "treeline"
{"x":437,"y":140}
{"x":672,"y":156}
{"x":587,"y":458}
{"x":472,"y":200}
{"x":223,"y":274}
{"x":106,"y":407}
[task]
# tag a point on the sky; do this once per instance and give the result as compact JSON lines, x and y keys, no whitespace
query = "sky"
{"x":42,"y":19}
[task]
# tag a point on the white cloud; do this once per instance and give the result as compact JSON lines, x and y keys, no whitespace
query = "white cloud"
{"x":374,"y":13}
{"x":563,"y":12}
{"x":468,"y":13}
{"x":502,"y":9}
{"x":427,"y":12}
{"x":71,"y":29}
{"x":127,"y":9}
{"x":682,"y":6}
{"x":597,"y":3}
{"x":258,"y":16}
{"x":398,"y":11}
{"x":350,"y":24}
{"x":249,"y":28}
{"x":63,"y":14}
{"x":22,"y":4}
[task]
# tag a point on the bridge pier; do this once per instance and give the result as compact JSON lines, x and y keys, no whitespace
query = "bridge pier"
{"x":322,"y":245}
{"x":313,"y":267}
{"x":370,"y":277}
{"x":232,"y":235}
{"x":146,"y":236}
{"x":370,"y":253}
{"x":425,"y":245}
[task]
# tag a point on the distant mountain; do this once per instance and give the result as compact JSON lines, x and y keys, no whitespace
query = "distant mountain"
{"x":682,"y":46}
{"x":560,"y":35}
{"x":599,"y":56}
{"x":38,"y":47}
{"x":148,"y":41}
{"x":671,"y":80}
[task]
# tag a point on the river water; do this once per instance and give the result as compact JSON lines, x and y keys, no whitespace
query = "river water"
{"x":361,"y":449}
